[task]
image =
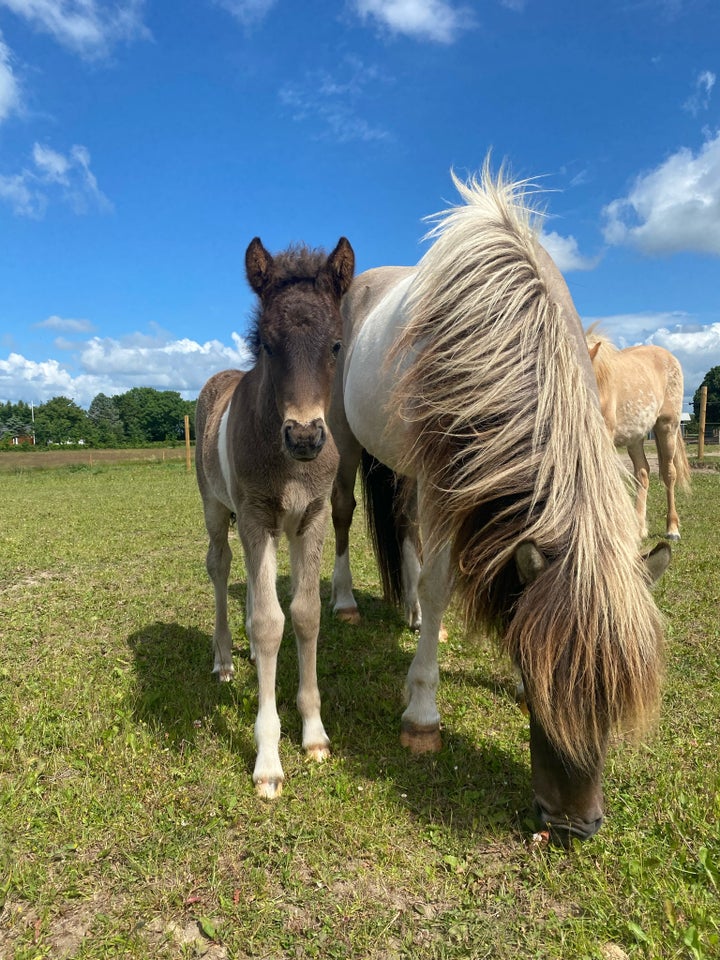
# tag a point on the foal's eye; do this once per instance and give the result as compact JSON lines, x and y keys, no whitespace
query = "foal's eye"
{"x":267,"y":348}
{"x":336,"y":348}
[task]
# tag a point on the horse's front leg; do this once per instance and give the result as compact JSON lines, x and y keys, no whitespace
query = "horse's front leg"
{"x":420,"y":730}
{"x":343,"y":507}
{"x":305,"y":558}
{"x":265,"y":628}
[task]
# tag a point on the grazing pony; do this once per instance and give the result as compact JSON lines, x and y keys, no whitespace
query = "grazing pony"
{"x":641,"y":389}
{"x":265,"y":456}
{"x":470,"y":376}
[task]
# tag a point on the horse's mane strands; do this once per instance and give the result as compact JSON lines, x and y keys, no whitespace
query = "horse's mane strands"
{"x":605,"y":358}
{"x":506,"y":434}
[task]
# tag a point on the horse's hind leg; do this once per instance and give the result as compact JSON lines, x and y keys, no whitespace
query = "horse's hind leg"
{"x":641,"y":469}
{"x":420,"y":730}
{"x":343,"y":507}
{"x":219,"y":557}
{"x":667,"y":437}
{"x":305,"y":558}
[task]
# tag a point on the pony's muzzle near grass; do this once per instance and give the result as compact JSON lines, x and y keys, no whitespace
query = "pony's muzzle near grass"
{"x":304,"y":441}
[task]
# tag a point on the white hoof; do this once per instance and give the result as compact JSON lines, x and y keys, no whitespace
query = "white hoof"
{"x":269,"y":789}
{"x":318,"y":752}
{"x":224,"y":674}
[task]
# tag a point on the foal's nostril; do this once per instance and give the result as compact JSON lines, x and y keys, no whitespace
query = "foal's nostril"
{"x":304,"y":441}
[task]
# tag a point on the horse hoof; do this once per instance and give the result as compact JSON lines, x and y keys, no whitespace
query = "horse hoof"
{"x":318,"y":752}
{"x":225,"y":674}
{"x":269,"y":789}
{"x":421,"y":739}
{"x":348,"y":615}
{"x":672,"y":536}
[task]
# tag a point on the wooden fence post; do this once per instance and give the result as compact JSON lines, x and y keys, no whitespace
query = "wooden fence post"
{"x":187,"y":443}
{"x":701,"y":432}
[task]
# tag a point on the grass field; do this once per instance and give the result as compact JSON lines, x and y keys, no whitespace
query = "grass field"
{"x":128,"y":822}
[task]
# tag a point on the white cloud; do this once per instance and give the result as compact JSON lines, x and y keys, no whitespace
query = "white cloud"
{"x":54,"y":175}
{"x":700,"y":97}
{"x":88,"y":27}
{"x":248,"y":12}
{"x":673,"y":208}
{"x":10,"y":99}
{"x":697,"y":350}
{"x":25,"y":200}
{"x":66,"y":325}
{"x":696,"y":345}
{"x":435,"y":20}
{"x":566,"y":254}
{"x":110,"y":366}
{"x":335,"y":101}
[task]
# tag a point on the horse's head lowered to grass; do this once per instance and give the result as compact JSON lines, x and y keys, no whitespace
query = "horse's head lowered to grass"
{"x":298,"y":334}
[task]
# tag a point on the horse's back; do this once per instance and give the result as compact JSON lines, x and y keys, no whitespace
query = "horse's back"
{"x":212,"y":402}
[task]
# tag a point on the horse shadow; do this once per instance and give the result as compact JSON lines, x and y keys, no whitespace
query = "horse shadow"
{"x":361,"y":675}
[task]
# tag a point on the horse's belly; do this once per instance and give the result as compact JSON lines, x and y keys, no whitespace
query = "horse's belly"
{"x":370,"y":377}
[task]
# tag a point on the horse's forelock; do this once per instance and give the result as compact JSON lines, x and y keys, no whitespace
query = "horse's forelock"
{"x":297,"y":270}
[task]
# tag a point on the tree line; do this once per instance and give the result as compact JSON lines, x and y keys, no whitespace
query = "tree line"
{"x":145,"y":415}
{"x":142,"y":415}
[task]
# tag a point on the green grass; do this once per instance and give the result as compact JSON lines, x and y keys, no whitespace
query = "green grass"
{"x":128,"y":821}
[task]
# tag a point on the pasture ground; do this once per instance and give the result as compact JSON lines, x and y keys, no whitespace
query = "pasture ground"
{"x":128,"y":822}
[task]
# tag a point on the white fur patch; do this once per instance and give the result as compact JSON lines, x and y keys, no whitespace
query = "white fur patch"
{"x":223,"y":448}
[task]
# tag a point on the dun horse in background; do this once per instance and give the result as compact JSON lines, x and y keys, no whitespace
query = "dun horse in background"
{"x":469,"y":374}
{"x":265,"y":457}
{"x":641,"y":389}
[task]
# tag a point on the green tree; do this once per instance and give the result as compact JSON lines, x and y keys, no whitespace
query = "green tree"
{"x":61,"y":420}
{"x":105,"y":417}
{"x":151,"y":416}
{"x":711,"y":380}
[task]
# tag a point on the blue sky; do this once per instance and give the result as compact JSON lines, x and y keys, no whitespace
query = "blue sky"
{"x":143,"y":143}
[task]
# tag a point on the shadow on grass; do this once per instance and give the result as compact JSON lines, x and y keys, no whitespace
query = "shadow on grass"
{"x":361,"y":675}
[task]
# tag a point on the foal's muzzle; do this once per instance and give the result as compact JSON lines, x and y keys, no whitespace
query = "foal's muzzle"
{"x":304,"y":441}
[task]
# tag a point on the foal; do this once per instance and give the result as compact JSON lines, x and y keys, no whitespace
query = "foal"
{"x":264,"y":456}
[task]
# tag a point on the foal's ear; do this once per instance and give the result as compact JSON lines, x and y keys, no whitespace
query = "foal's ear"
{"x":657,"y":561}
{"x":530,"y":562}
{"x":341,"y":266}
{"x":258,"y":266}
{"x":593,"y":351}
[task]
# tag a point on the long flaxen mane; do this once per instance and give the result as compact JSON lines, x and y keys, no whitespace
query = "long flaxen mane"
{"x":508,"y":440}
{"x":605,"y":358}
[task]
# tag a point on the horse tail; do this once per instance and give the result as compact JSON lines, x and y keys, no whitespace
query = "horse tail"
{"x":384,"y":497}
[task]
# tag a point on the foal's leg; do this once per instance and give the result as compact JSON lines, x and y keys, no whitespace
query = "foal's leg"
{"x":305,"y":558}
{"x":641,"y":469}
{"x":265,"y":629}
{"x":219,"y":557}
{"x":343,"y":507}
{"x":420,"y":729}
{"x":666,"y":435}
